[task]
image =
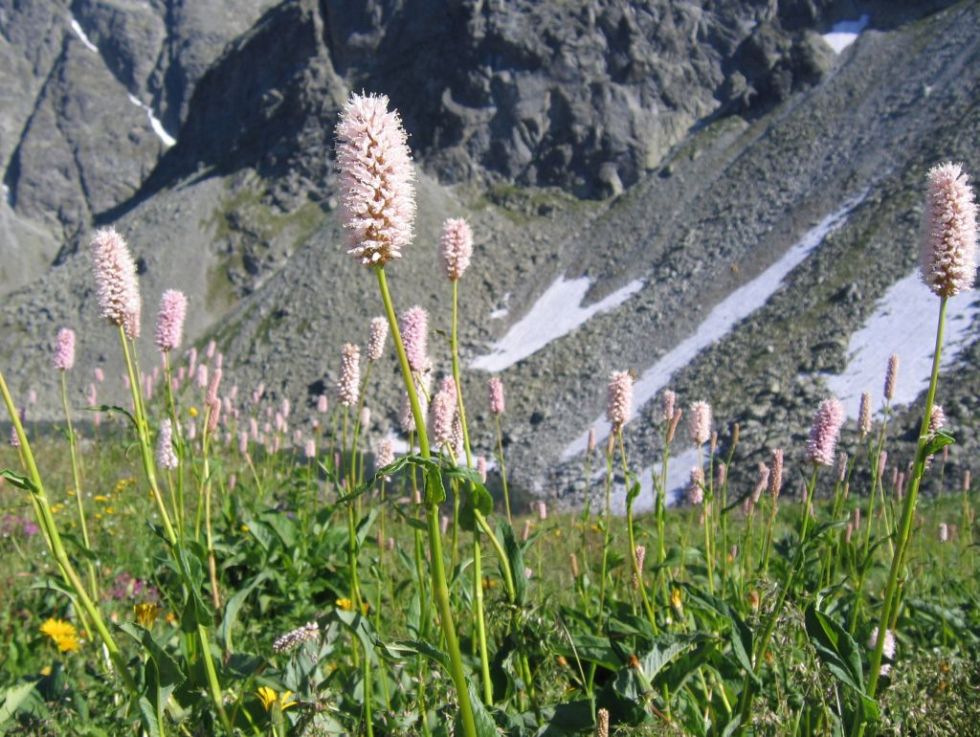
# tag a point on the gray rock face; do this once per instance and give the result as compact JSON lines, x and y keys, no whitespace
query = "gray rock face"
{"x":72,"y":142}
{"x":582,"y":95}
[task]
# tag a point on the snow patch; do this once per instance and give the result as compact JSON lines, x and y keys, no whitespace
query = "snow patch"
{"x":904,"y":322}
{"x":77,"y":28}
{"x":155,"y":124}
{"x":557,"y":312}
{"x":502,"y":311}
{"x":844,"y":33}
{"x":736,"y":306}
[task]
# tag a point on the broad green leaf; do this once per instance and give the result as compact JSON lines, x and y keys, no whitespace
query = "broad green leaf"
{"x":515,"y":557}
{"x":435,"y":492}
{"x":13,"y":698}
{"x":841,"y":654}
{"x":232,"y":608}
{"x":19,"y":480}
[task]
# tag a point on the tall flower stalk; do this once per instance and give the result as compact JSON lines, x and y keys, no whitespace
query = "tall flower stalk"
{"x":378,"y":210}
{"x":118,"y":291}
{"x":949,"y":264}
{"x":64,"y":360}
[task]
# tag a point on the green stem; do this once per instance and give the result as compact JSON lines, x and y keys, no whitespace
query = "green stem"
{"x":637,"y":573}
{"x":890,"y":601}
{"x":440,"y":588}
{"x":77,"y":481}
{"x":762,"y":646}
{"x":503,"y":468}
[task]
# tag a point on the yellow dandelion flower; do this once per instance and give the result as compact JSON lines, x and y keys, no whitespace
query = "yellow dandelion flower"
{"x":110,"y":510}
{"x":192,"y":411}
{"x":45,"y":671}
{"x":56,"y":508}
{"x":101,"y":499}
{"x":346,"y":604}
{"x":62,"y":633}
{"x":170,"y":618}
{"x":269,"y":698}
{"x":244,"y":529}
{"x":146,"y":613}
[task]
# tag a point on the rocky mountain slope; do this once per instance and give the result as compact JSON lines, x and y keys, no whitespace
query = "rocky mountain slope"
{"x":627,"y":167}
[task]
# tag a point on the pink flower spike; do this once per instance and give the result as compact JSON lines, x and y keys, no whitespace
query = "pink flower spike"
{"x":949,"y":248}
{"x":695,"y":487}
{"x":115,"y":279}
{"x":166,"y":457}
{"x":64,"y":352}
{"x":350,"y":375}
{"x":443,"y":412}
{"x":891,"y":377}
{"x":824,"y":431}
{"x":700,"y":422}
{"x":376,"y":340}
{"x":456,"y":247}
{"x":385,"y":453}
{"x":415,"y":336}
{"x":776,"y":473}
{"x":496,"y":389}
{"x":864,"y":415}
{"x":376,"y":180}
{"x":619,"y":399}
{"x":170,"y":320}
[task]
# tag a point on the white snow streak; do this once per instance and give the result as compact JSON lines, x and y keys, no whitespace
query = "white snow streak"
{"x":736,"y":306}
{"x":77,"y":28}
{"x":155,"y":124}
{"x":844,"y":33}
{"x":904,"y":322}
{"x":556,"y":313}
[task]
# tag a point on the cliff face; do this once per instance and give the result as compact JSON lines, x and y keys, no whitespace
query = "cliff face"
{"x":664,"y":155}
